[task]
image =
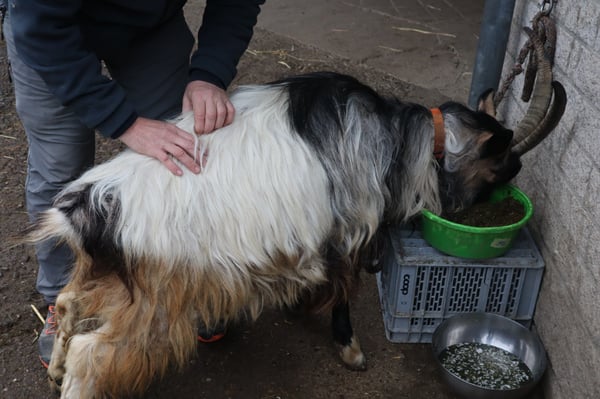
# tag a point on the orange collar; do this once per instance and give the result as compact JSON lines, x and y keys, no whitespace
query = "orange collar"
{"x":439,"y":134}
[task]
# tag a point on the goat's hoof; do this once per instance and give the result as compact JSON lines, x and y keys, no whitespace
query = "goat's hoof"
{"x":56,"y":370}
{"x":55,"y":384}
{"x":353,"y":357}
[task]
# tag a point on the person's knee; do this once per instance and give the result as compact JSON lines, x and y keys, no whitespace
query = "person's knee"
{"x":54,"y":161}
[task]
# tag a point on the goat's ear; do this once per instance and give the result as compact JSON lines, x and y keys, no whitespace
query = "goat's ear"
{"x":486,"y":103}
{"x":493,"y":144}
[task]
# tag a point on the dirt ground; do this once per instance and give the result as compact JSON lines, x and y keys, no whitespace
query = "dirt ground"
{"x":273,"y":358}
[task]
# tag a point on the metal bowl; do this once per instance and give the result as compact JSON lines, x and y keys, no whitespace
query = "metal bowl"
{"x":494,"y":330}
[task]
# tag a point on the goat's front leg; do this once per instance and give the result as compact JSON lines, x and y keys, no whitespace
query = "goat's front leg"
{"x":344,"y":337}
{"x":125,"y":343}
{"x":66,"y":314}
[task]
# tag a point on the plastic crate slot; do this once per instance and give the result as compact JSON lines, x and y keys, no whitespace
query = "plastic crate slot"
{"x":436,"y":291}
{"x":496,"y":299}
{"x":516,"y":288}
{"x":420,"y":289}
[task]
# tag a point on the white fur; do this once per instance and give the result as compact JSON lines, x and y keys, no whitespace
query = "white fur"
{"x":262,"y":191}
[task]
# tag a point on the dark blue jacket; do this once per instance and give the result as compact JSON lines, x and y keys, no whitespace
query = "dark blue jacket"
{"x":63,"y":41}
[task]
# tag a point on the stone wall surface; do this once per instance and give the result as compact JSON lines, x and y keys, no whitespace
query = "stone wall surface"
{"x":562,"y":177}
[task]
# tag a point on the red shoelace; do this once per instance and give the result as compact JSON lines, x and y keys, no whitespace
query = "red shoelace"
{"x":50,"y":321}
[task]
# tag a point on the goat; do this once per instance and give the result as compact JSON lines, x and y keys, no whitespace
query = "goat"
{"x":295,"y":199}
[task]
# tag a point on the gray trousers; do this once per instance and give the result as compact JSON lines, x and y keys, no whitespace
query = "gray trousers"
{"x":154,"y":75}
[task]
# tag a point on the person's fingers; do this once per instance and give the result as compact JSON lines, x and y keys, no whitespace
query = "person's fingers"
{"x":230,"y":112}
{"x":182,"y":138}
{"x":165,"y":158}
{"x":165,"y":142}
{"x":184,"y":148}
{"x":202,"y":157}
{"x":210,"y":117}
{"x":210,"y":104}
{"x":221,"y":115}
{"x":186,"y":104}
{"x":199,"y":117}
{"x":183,"y":157}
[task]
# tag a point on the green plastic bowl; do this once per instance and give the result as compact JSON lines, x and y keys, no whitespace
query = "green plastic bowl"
{"x":475,"y":242}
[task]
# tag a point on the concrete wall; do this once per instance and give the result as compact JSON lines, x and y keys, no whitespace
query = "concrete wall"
{"x":562,"y":176}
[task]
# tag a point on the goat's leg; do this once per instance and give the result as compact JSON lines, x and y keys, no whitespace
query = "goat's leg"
{"x":98,"y":366}
{"x":66,"y":315}
{"x":79,"y":378}
{"x":134,"y":344}
{"x":344,"y":337}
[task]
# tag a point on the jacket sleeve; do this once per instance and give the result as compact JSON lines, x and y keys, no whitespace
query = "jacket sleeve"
{"x":48,"y":40}
{"x":226,"y":30}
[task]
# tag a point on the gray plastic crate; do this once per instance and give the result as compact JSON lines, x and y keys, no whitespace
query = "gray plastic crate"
{"x":419,"y":287}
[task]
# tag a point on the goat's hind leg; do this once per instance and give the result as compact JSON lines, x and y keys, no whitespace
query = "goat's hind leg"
{"x":344,"y":337}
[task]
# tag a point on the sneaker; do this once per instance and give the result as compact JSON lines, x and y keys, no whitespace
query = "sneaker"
{"x":46,"y":338}
{"x":207,"y":336}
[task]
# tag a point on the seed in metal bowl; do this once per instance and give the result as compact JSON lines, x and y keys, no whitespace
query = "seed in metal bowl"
{"x":485,"y":366}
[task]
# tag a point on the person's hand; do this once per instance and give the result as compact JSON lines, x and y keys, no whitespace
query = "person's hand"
{"x":163,"y":141}
{"x":211,"y":106}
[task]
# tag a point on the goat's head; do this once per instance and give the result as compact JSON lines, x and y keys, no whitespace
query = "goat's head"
{"x":477,"y":155}
{"x":480,"y":153}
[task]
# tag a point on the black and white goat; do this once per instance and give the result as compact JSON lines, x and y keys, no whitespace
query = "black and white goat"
{"x":294,"y":200}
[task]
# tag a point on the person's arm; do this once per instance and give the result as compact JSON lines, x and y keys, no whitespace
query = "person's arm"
{"x":226,"y":30}
{"x":49,"y":41}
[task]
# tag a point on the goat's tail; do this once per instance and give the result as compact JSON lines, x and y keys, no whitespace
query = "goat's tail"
{"x":50,"y":224}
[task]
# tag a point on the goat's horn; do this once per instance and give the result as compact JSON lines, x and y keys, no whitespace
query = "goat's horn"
{"x":548,"y":124}
{"x":542,"y":92}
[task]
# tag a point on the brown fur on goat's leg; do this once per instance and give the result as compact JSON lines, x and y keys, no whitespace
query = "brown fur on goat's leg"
{"x":343,"y":335}
{"x":81,"y":325}
{"x":123,"y":343}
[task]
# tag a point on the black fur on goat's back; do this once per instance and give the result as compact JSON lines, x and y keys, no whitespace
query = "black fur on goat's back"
{"x":318,"y":103}
{"x":324,"y":107}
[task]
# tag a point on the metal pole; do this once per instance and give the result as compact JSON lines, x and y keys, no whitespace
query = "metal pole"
{"x":493,"y":38}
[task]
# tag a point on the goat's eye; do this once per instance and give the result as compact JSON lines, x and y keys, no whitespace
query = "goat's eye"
{"x":495,"y":146}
